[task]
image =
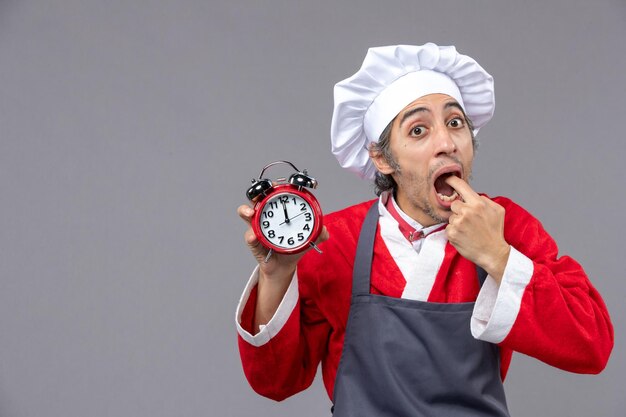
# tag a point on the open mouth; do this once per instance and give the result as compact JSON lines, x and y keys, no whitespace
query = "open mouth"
{"x":444,"y":191}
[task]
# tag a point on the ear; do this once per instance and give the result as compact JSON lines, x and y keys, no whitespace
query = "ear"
{"x":379,"y":160}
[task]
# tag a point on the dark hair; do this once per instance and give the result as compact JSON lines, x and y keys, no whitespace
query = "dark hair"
{"x":385,"y":182}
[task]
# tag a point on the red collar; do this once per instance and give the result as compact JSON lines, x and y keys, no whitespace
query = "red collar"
{"x":408,"y":231}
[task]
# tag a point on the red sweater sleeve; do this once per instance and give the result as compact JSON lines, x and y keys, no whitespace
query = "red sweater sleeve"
{"x":562,"y":320}
{"x":287,"y":363}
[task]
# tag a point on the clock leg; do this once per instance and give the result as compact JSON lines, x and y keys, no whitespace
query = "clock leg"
{"x":314,"y":246}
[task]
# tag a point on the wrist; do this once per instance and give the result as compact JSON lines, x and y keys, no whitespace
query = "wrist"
{"x":271,"y":290}
{"x":496,"y":262}
{"x":276,"y":273}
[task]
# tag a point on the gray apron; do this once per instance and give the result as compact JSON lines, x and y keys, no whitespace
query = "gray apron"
{"x":412,"y":358}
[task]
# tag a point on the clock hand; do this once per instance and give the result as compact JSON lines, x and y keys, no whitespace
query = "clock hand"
{"x":288,"y":220}
{"x":285,"y":211}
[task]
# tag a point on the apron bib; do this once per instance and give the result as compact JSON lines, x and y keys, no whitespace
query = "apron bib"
{"x":412,"y":358}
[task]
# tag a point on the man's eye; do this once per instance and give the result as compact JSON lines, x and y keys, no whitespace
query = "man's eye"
{"x":417,"y":131}
{"x":456,"y":122}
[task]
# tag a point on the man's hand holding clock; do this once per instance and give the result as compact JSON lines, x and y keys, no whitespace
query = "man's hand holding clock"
{"x":277,"y":244}
{"x":274,"y":275}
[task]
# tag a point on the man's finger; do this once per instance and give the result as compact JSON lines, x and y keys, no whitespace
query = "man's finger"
{"x":460,"y":186}
{"x":324,"y":235}
{"x":245,"y":212}
{"x":455,"y":207}
{"x":250,"y":238}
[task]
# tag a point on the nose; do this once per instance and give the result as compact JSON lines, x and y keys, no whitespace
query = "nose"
{"x":444,"y":143}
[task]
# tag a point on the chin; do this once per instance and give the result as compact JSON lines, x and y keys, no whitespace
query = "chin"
{"x":444,"y":217}
{"x":438,"y":214}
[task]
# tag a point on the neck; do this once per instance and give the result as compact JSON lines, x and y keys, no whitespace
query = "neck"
{"x":419,"y":214}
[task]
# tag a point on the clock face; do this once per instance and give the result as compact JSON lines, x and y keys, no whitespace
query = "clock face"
{"x":287,"y":221}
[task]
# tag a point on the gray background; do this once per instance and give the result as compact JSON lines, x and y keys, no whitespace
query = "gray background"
{"x":129,"y":131}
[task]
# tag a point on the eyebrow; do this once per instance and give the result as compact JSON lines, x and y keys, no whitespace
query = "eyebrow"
{"x":411,"y":112}
{"x":455,"y":105}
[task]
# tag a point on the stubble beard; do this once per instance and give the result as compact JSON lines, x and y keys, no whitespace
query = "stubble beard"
{"x":415,"y":185}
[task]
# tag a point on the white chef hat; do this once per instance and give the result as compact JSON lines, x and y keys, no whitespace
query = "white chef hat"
{"x":391,"y":78}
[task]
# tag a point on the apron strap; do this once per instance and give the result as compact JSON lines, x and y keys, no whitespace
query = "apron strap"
{"x":365,"y":252}
{"x":482,"y":275}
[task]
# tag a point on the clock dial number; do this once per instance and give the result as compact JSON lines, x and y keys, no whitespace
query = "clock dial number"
{"x":287,"y":220}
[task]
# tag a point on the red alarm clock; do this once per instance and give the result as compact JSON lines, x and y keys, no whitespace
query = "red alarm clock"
{"x":287,"y":217}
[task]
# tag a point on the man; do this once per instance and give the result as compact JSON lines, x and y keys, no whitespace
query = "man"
{"x":420,"y":297}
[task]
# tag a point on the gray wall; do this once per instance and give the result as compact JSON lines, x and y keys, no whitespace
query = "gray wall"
{"x":129,"y":131}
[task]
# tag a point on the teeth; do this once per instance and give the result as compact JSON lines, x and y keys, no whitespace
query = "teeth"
{"x":448,"y":198}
